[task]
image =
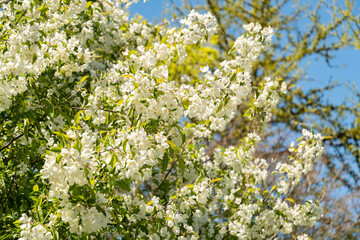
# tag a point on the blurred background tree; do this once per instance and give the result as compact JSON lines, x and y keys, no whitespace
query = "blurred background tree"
{"x":304,"y":29}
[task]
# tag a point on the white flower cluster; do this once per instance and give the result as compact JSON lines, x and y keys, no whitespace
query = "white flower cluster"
{"x":69,"y":166}
{"x":200,"y":28}
{"x":92,"y":220}
{"x":309,"y":151}
{"x":33,"y":232}
{"x":131,"y":161}
{"x":33,"y":46}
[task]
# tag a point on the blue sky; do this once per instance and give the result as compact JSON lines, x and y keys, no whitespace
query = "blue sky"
{"x":346,"y":65}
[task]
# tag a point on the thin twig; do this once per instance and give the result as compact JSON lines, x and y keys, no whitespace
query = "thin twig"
{"x":101,"y":109}
{"x":173,"y":164}
{"x":16,"y":138}
{"x":73,"y":94}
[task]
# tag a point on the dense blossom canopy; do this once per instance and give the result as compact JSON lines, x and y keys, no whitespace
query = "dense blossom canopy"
{"x":123,"y":147}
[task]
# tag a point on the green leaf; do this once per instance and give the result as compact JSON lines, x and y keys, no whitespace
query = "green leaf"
{"x":56,"y":149}
{"x":181,"y":164}
{"x":132,"y":69}
{"x":39,"y":213}
{"x":34,"y":58}
{"x":247,"y":112}
{"x":164,"y":162}
{"x":77,"y":145}
{"x":48,"y":105}
{"x":62,"y":135}
{"x":83,"y":79}
{"x":124,"y":144}
{"x":290,"y":200}
{"x":42,"y":32}
{"x":198,"y":44}
{"x":186,"y":103}
{"x":227,"y":99}
{"x":125,"y":184}
{"x":182,"y":134}
{"x":231,"y":50}
{"x":216,"y":179}
{"x":42,"y":8}
{"x":36,"y":188}
{"x":127,"y":75}
{"x":58,"y":158}
{"x":88,"y":4}
{"x":77,"y":117}
{"x":26,"y":130}
{"x":233,"y":77}
{"x":17,"y":222}
{"x":77,"y":198}
{"x":92,"y":181}
{"x":113,"y":161}
{"x":299,"y":139}
{"x":172,"y":145}
{"x":55,"y":233}
{"x":219,"y":108}
{"x":119,"y":102}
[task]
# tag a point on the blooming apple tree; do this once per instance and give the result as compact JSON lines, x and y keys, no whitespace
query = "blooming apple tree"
{"x":97,"y":141}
